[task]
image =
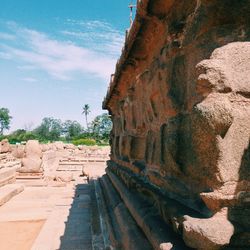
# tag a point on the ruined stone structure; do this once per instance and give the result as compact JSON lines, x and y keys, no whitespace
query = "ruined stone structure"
{"x":179,"y":100}
{"x":8,"y":167}
{"x":32,"y":160}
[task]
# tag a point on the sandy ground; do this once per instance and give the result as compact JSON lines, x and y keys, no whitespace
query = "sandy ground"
{"x":40,"y":213}
{"x":19,"y":235}
{"x":95,"y":169}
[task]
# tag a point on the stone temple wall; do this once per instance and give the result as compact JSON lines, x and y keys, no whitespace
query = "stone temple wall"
{"x":179,"y":101}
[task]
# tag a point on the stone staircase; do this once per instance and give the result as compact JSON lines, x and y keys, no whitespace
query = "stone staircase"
{"x":8,"y":188}
{"x":121,"y":227}
{"x":9,"y":191}
{"x":130,"y":222}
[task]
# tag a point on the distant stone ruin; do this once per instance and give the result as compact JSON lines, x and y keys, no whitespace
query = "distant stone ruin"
{"x":47,"y":190}
{"x":52,"y":164}
{"x":31,"y":160}
{"x":179,"y":172}
{"x":8,"y":167}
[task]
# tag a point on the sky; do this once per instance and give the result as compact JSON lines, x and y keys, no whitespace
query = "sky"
{"x":57,"y":55}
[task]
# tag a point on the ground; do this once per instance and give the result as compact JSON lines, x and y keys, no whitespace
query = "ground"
{"x":49,"y":218}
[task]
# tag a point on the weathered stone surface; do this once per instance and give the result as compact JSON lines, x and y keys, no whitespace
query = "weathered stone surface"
{"x":30,"y":165}
{"x":32,"y":161}
{"x":227,"y":70}
{"x":211,"y":233}
{"x":166,"y":246}
{"x":33,"y":149}
{"x":67,"y":146}
{"x":5,"y":146}
{"x":180,"y":106}
{"x":127,"y":233}
{"x":64,"y":177}
{"x":18,"y":151}
{"x":45,"y":147}
{"x":7,"y":176}
{"x":59,"y":145}
{"x":9,"y":191}
{"x":156,"y":231}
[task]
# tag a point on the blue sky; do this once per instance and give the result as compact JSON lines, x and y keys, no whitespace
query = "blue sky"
{"x":57,"y":55}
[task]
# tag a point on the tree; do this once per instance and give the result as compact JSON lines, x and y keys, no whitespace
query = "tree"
{"x":5,"y":119}
{"x":72,"y":129}
{"x":86,"y":111}
{"x":21,"y":135}
{"x":101,"y":126}
{"x":50,"y":129}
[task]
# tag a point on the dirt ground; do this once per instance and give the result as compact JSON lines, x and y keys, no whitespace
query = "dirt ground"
{"x":24,"y":234}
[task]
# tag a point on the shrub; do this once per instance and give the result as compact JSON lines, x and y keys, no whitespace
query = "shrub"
{"x":2,"y":137}
{"x":21,"y":135}
{"x":87,"y":142}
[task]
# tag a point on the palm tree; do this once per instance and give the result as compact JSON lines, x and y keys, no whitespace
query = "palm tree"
{"x":86,"y":111}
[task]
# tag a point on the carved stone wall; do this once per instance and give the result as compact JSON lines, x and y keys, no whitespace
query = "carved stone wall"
{"x":180,"y":106}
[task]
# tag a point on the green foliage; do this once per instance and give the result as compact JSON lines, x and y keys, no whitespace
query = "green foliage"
{"x":102,"y":143}
{"x":5,"y":119}
{"x":2,"y":137}
{"x":21,"y":135}
{"x":71,"y":129}
{"x":86,"y":141}
{"x":101,"y":127}
{"x":86,"y":111}
{"x":50,"y":129}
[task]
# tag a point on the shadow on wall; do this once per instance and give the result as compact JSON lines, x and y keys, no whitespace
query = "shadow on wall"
{"x":240,"y":213}
{"x":81,"y":222}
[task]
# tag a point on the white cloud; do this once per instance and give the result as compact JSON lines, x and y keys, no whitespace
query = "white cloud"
{"x":96,"y":34}
{"x":5,"y":55}
{"x":6,"y":36}
{"x":29,"y":79}
{"x":26,"y":67}
{"x":61,"y":59}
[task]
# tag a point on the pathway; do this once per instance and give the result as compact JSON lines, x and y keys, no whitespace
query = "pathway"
{"x":49,"y":218}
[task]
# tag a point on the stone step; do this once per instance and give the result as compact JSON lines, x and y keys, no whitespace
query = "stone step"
{"x":71,"y":163}
{"x":82,"y":161}
{"x":126,"y":231}
{"x":29,"y":176}
{"x":32,"y":182}
{"x":9,"y":191}
{"x":7,"y":175}
{"x":158,"y":233}
{"x":107,"y":230}
{"x":96,"y":230}
{"x":70,"y":167}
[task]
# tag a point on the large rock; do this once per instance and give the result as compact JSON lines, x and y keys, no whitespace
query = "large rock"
{"x":33,"y":149}
{"x":31,"y":165}
{"x":59,"y":145}
{"x":18,"y":151}
{"x":227,"y":70}
{"x":45,"y":147}
{"x":212,"y":233}
{"x":5,"y":146}
{"x":64,"y":177}
{"x":32,"y":162}
{"x":50,"y":159}
{"x":70,"y":146}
